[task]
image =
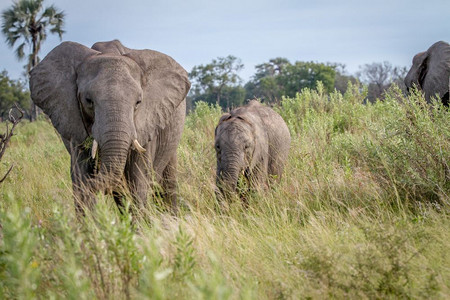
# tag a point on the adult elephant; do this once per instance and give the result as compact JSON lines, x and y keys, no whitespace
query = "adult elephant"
{"x":120,"y":113}
{"x":252,"y":140}
{"x":430,"y":72}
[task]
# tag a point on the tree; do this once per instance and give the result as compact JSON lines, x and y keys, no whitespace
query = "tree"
{"x":342,"y":77}
{"x":12,"y":91}
{"x":273,"y":68}
{"x":212,"y":80}
{"x":232,"y":96}
{"x":379,"y":77}
{"x":279,"y":78}
{"x":264,"y":84}
{"x":28,"y":22}
{"x":305,"y":75}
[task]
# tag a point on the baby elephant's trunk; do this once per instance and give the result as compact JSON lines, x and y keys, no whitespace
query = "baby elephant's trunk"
{"x":227,"y":180}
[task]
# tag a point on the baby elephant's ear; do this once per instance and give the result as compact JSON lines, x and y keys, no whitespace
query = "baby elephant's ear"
{"x":224,"y":117}
{"x":53,"y":88}
{"x":165,"y":85}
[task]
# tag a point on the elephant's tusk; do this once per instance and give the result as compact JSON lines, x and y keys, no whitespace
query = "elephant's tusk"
{"x":94,"y":149}
{"x":138,"y":147}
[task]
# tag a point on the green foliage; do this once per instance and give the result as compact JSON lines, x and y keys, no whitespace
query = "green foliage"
{"x":230,"y":97}
{"x":185,"y":254}
{"x":217,"y":82}
{"x":63,"y":244}
{"x":306,"y":75}
{"x":342,"y":78}
{"x":265,"y":84}
{"x":112,"y":239}
{"x":211,"y":284}
{"x":19,"y":266}
{"x":12,"y":91}
{"x":279,"y":78}
{"x":204,"y":115}
{"x":362,"y":211}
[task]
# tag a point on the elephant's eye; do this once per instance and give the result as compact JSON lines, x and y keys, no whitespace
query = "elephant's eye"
{"x":137,"y":104}
{"x":89,"y":101}
{"x":217,"y":147}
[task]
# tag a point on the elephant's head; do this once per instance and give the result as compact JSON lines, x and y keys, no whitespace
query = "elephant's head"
{"x":416,"y":74}
{"x":430,"y":72}
{"x":117,"y":96}
{"x":238,"y":147}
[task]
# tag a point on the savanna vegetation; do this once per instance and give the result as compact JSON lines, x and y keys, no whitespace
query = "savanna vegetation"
{"x":12,"y":92}
{"x":362,"y":212}
{"x":219,"y":83}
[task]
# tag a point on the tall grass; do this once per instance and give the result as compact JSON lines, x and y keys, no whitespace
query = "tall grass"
{"x":362,"y":211}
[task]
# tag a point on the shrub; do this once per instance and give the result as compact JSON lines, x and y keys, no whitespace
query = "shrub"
{"x":361,"y":212}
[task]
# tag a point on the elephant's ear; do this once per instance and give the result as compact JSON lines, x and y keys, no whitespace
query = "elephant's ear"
{"x":224,"y":117}
{"x":421,"y":61}
{"x":416,"y":74}
{"x":53,"y":88}
{"x":165,"y":85}
{"x":111,"y":47}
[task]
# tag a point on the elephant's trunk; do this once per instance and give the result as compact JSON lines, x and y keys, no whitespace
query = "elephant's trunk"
{"x":410,"y":80}
{"x":227,"y":179}
{"x":115,"y":133}
{"x":113,"y":157}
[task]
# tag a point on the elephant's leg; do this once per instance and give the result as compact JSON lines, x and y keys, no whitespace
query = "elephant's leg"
{"x":445,"y":99}
{"x":276,"y":167}
{"x":169,"y":184}
{"x":82,"y":170}
{"x":118,"y":196}
{"x":138,"y":174}
{"x":258,"y":178}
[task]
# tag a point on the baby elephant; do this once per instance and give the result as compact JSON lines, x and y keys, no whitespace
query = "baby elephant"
{"x":252,"y":140}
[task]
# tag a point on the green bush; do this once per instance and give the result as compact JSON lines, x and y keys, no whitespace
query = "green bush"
{"x":361,"y":212}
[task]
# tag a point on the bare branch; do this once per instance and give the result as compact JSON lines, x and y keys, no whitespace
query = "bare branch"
{"x":5,"y":138}
{"x":7,"y":173}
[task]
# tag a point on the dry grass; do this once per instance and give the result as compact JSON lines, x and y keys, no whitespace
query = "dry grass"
{"x":361,"y":212}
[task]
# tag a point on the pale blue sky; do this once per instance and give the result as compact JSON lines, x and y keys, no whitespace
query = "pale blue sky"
{"x":194,"y":32}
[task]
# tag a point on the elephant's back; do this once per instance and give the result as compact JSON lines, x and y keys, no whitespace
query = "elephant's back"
{"x":279,"y":138}
{"x":274,"y":123}
{"x":269,"y":119}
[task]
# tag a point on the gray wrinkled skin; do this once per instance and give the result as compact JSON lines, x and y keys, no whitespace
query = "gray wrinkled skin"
{"x":254,"y":141}
{"x":430,"y":72}
{"x":114,"y":95}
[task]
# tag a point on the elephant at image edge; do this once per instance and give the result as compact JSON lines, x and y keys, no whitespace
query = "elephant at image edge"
{"x":430,"y":72}
{"x":131,"y":103}
{"x":253,"y":140}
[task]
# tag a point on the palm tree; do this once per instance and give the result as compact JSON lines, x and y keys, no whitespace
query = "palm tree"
{"x":27,"y":21}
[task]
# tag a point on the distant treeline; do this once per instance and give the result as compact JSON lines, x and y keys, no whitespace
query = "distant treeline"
{"x":219,"y":83}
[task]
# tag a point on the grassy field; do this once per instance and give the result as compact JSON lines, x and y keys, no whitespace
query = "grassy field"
{"x":362,"y":212}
